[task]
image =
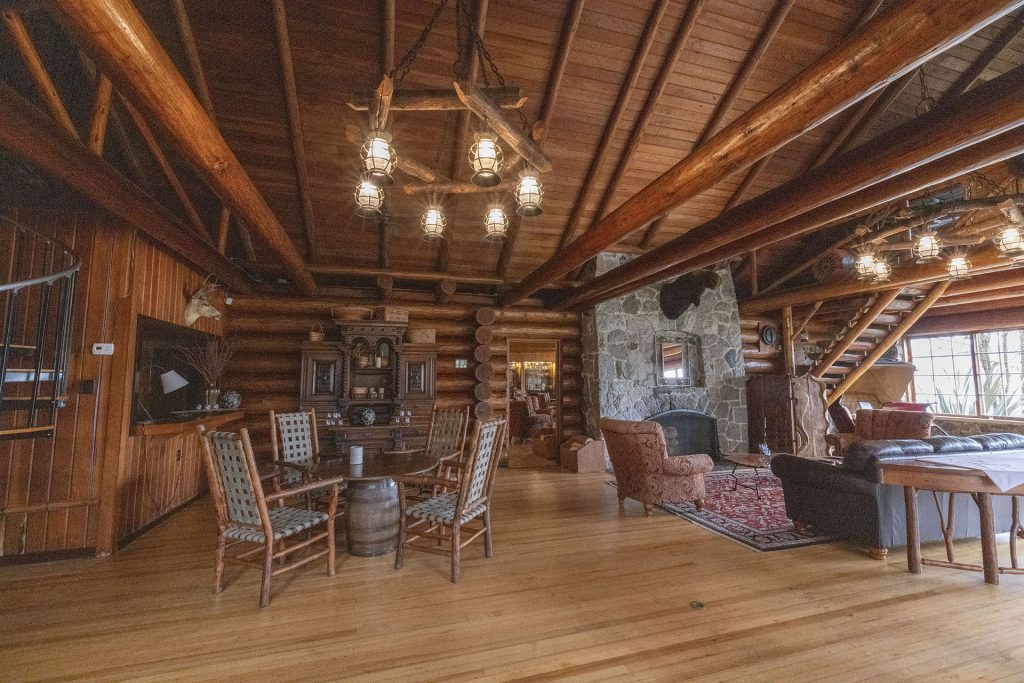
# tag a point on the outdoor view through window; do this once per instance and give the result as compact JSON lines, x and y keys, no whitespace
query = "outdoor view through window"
{"x":970,"y":374}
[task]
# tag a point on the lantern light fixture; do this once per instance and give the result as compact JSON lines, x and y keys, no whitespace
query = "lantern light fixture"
{"x":495,"y":223}
{"x":485,"y":157}
{"x":1010,"y":242}
{"x":378,"y":158}
{"x":865,"y":265}
{"x":369,"y":198}
{"x":529,"y":194}
{"x":433,"y":223}
{"x":882,"y":272}
{"x":927,"y":247}
{"x":958,"y":267}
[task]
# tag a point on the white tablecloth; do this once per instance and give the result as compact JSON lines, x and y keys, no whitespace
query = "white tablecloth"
{"x":1005,"y":471}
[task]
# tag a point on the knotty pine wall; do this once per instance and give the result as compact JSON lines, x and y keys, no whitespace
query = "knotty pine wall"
{"x":93,"y":484}
{"x":267,"y":332}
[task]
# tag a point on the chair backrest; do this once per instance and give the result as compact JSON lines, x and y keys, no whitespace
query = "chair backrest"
{"x":447,"y":433}
{"x":636,"y":450}
{"x":478,"y":476}
{"x":294,"y":440}
{"x":234,"y":479}
{"x":893,"y":424}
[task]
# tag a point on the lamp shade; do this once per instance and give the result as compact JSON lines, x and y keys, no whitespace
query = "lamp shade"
{"x":172,"y":381}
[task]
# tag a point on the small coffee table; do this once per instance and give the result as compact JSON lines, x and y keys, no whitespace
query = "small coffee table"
{"x":754,"y":461}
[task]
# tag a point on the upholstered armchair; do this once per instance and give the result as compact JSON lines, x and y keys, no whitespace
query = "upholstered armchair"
{"x":871,"y":425}
{"x":645,"y":472}
{"x":524,"y":422}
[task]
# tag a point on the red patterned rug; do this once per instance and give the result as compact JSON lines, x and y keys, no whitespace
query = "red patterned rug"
{"x":760,"y":525}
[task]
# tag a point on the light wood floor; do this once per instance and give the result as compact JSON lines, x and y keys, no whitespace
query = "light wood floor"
{"x":578,"y":588}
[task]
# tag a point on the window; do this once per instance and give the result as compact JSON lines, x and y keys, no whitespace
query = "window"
{"x":970,"y":374}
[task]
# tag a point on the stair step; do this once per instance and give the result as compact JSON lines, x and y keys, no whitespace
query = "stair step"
{"x":27,"y":432}
{"x":22,"y":402}
{"x":19,"y":347}
{"x":15,"y":375}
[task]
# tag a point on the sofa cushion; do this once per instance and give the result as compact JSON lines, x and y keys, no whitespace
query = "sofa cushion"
{"x":999,"y":441}
{"x":861,"y":456}
{"x":953,"y":444}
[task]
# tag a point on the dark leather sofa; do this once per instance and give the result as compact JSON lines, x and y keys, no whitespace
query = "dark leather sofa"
{"x":847,"y":499}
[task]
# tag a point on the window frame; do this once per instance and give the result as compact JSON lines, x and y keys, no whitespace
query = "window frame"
{"x":978,"y":395}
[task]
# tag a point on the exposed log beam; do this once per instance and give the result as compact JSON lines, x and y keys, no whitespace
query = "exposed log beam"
{"x":894,"y":336}
{"x":807,"y":319}
{"x":380,"y":109}
{"x":739,"y":81}
{"x":970,"y":303}
{"x":973,"y":72}
{"x":970,"y":322}
{"x":614,"y":120}
{"x":896,"y":41}
{"x":753,"y":273}
{"x":755,"y":171}
{"x":100,"y":115}
{"x":984,"y":283}
{"x":462,"y":126}
{"x":457,"y":188}
{"x":440,"y":99}
{"x":168,"y":172}
{"x":117,"y":37}
{"x":37,"y":70}
{"x":547,"y":110}
{"x":222,"y":231}
{"x":788,"y":350}
{"x":387,"y":56}
{"x":284,"y":54}
{"x":987,"y":111}
{"x":446,"y":289}
{"x":478,"y":103}
{"x":841,"y":346}
{"x":29,"y":133}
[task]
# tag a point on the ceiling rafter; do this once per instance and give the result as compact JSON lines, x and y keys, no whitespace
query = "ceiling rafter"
{"x":611,"y":126}
{"x":295,"y":134}
{"x":387,"y":65}
{"x":771,"y":26}
{"x":100,"y":114}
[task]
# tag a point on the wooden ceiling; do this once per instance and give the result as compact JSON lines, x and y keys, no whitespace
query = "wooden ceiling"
{"x":338,"y":48}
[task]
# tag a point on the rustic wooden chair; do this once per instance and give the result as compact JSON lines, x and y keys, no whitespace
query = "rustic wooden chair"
{"x":446,"y":516}
{"x":296,"y":449}
{"x":244,"y":515}
{"x":446,"y":441}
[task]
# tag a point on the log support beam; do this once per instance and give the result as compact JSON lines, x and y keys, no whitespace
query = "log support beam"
{"x":476,"y":101}
{"x":851,"y":335}
{"x":439,"y":99}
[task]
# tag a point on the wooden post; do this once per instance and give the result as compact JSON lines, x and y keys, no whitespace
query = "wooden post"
{"x":29,"y":133}
{"x":863,"y":323}
{"x":913,"y":530}
{"x":894,"y":336}
{"x":905,"y":35}
{"x":788,"y":350}
{"x":117,"y":37}
{"x":807,"y":319}
{"x":989,"y":109}
{"x":753,"y":273}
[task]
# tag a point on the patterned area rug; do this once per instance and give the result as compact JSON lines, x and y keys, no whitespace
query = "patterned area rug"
{"x":760,"y":525}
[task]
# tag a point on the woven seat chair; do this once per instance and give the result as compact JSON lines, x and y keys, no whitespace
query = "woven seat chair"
{"x":446,"y":441}
{"x":244,"y":515}
{"x":296,"y":449}
{"x":442,"y":520}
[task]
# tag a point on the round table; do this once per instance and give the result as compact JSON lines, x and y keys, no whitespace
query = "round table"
{"x":372,"y":512}
{"x":755,"y":461}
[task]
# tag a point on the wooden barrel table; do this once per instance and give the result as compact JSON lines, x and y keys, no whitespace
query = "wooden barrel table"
{"x":372,"y":513}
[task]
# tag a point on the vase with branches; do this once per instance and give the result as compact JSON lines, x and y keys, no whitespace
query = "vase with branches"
{"x":210,"y":361}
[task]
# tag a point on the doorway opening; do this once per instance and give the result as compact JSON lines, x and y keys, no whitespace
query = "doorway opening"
{"x":534,"y":402}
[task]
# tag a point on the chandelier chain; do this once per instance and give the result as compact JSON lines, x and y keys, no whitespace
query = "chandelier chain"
{"x":403,"y":67}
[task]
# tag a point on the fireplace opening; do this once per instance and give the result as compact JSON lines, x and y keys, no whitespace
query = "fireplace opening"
{"x":688,"y":432}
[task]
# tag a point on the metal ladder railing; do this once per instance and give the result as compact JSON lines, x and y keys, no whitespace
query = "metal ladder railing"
{"x":37,"y":297}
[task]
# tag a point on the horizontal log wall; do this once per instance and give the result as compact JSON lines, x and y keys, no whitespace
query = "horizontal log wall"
{"x":267,"y":332}
{"x":51,"y":490}
{"x":759,"y":359}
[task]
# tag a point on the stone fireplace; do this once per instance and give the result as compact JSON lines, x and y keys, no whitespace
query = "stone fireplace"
{"x":621,"y":356}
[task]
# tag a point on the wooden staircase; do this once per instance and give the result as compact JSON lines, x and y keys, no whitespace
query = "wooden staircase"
{"x":36,"y":297}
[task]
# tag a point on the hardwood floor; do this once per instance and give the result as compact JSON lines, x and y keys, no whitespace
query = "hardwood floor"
{"x":578,"y":588}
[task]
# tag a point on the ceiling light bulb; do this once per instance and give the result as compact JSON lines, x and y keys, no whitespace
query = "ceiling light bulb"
{"x":928,"y":247}
{"x":529,"y":194}
{"x":433,"y":223}
{"x":379,"y":158}
{"x":882,"y":271}
{"x":1009,"y":241}
{"x":865,"y":266}
{"x":485,"y":158}
{"x":495,"y":223}
{"x":958,"y":267}
{"x":369,"y":199}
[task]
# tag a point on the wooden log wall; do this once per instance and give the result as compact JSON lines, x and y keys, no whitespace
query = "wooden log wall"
{"x":67,"y":493}
{"x":267,"y":331}
{"x":758,"y":358}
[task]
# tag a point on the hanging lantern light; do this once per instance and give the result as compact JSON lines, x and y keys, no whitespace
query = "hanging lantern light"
{"x":529,"y":194}
{"x":369,"y":198}
{"x":433,"y":223}
{"x":378,"y":158}
{"x":485,"y":158}
{"x":882,"y":272}
{"x":927,"y":247}
{"x":865,"y":265}
{"x":958,"y":267}
{"x":495,"y":223}
{"x":1010,"y":242}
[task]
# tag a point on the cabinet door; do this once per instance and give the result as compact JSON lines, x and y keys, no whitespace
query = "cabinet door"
{"x":418,"y":376}
{"x":321,"y":376}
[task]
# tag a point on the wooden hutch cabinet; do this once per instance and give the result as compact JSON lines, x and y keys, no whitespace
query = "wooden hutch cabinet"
{"x":369,"y":375}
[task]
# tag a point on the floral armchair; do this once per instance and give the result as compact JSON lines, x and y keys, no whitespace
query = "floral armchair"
{"x":524,"y":420}
{"x":645,"y":472}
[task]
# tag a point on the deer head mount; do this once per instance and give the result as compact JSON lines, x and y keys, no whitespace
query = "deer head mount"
{"x":199,"y":305}
{"x":685,"y":291}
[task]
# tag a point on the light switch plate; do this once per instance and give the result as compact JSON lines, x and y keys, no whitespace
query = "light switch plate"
{"x":103,"y":349}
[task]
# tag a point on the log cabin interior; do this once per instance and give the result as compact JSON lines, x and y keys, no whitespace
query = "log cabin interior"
{"x":686,"y":337}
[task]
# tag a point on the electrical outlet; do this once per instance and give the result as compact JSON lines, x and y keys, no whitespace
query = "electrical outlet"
{"x":103,"y":349}
{"x":178,"y":456}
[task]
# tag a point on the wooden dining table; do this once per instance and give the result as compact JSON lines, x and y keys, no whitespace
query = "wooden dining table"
{"x":372,"y":510}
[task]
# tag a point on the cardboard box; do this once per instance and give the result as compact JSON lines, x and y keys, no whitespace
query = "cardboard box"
{"x":582,"y":454}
